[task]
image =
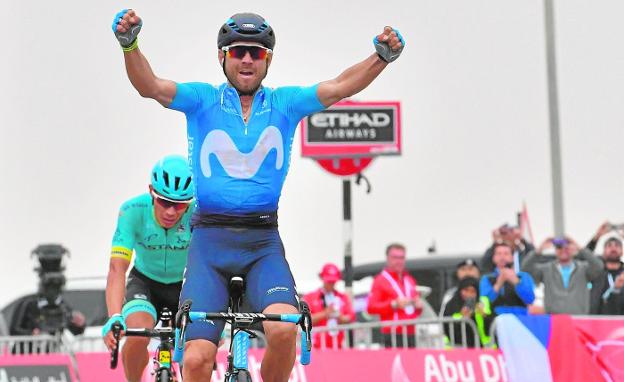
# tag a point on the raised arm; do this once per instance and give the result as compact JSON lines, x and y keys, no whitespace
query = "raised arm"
{"x":126,"y":27}
{"x":389,"y":46}
{"x":595,"y":265}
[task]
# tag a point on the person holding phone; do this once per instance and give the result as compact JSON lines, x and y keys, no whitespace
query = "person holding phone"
{"x":566,"y":278}
{"x":512,"y":236}
{"x":506,"y":290}
{"x":466,"y":303}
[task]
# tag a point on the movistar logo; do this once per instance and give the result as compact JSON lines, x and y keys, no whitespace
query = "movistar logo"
{"x":277,"y":289}
{"x":236,"y":164}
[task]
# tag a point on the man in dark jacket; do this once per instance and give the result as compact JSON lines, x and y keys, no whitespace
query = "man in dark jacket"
{"x":613,"y":266}
{"x":614,"y":304}
{"x":507,"y":291}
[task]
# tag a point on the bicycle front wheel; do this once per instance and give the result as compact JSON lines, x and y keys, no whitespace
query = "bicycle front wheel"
{"x":242,"y":376}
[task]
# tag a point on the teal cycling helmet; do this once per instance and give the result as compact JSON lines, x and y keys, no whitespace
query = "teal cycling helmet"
{"x":171,"y":179}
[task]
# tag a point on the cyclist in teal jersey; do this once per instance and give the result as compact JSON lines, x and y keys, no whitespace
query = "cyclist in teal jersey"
{"x":155,"y":227}
{"x":240,"y":136}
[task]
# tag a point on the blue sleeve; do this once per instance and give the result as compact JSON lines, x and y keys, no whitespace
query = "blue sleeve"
{"x":190,"y":95}
{"x":298,"y":101}
{"x":525,"y":288}
{"x":486,"y":289}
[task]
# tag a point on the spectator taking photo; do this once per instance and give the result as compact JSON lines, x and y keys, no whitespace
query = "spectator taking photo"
{"x":566,"y":278}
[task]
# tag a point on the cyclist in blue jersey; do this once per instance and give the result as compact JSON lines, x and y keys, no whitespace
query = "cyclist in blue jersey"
{"x":156,"y":227}
{"x":240,"y":135}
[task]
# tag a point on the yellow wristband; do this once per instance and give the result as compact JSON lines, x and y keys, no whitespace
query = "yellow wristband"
{"x":133,"y":46}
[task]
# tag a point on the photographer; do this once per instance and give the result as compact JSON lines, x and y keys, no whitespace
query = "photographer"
{"x":48,"y":313}
{"x":506,"y":290}
{"x":565,"y":279}
{"x":512,"y":236}
{"x":464,"y":304}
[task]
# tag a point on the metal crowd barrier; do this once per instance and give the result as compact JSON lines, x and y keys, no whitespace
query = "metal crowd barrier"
{"x":424,"y":333}
{"x":22,"y":345}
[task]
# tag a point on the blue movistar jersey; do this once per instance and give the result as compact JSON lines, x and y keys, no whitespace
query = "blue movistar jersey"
{"x":238,"y":167}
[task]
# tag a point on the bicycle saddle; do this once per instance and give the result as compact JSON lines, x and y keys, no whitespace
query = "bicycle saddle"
{"x":237,"y":288}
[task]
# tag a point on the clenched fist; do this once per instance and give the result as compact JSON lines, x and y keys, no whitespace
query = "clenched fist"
{"x":389,"y":44}
{"x":126,"y":27}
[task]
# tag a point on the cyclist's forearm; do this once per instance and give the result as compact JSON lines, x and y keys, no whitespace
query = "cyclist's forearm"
{"x":145,"y":81}
{"x":115,"y":290}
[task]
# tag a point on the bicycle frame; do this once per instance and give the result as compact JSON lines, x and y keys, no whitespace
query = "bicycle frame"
{"x":162,"y":356}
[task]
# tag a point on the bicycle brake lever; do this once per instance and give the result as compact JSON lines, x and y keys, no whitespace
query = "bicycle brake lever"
{"x":116,"y":329}
{"x":183,"y":313}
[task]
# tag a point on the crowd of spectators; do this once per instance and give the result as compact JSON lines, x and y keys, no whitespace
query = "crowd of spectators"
{"x":565,"y":277}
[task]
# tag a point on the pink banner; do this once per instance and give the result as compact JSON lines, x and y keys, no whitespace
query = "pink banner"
{"x":410,"y":365}
{"x":49,"y":368}
{"x":604,"y":338}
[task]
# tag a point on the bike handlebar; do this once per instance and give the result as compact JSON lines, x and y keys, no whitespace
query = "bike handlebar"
{"x":303,"y":319}
{"x":116,"y":328}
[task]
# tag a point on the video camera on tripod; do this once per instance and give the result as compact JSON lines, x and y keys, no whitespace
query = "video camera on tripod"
{"x":54,"y":313}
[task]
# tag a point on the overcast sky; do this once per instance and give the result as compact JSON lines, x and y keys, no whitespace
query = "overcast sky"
{"x":77,"y":140}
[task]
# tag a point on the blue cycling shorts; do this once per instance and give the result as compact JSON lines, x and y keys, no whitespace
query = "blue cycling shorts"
{"x":218,"y":253}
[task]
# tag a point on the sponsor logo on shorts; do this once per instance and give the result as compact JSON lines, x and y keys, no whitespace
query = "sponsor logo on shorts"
{"x":140,"y":296}
{"x":277,"y":289}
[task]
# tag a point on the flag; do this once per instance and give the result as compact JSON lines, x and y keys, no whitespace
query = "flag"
{"x":525,"y":225}
{"x":545,"y":348}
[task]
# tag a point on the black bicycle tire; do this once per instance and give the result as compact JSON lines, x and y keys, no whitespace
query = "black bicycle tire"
{"x":164,"y":376}
{"x":242,"y":376}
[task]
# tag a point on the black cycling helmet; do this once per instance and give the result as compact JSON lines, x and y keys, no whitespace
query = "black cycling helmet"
{"x":246,"y":27}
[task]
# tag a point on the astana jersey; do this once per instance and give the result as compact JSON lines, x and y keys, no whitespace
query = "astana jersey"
{"x":159,"y":253}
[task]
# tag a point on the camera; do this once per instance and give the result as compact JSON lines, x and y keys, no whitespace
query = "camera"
{"x":617,"y":227}
{"x":53,"y":311}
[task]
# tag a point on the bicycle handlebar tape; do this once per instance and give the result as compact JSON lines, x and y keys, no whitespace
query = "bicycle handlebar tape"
{"x":384,"y":51}
{"x":178,"y":344}
{"x":128,"y":40}
{"x":197,"y":316}
{"x":305,"y":353}
{"x":291,"y":317}
{"x":241,"y":348}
